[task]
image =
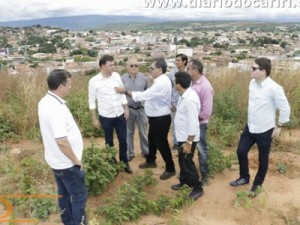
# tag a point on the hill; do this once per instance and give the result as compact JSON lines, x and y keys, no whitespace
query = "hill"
{"x":80,"y":22}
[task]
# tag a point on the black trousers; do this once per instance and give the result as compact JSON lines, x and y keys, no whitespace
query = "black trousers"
{"x":188,"y":172}
{"x":263,"y":141}
{"x":158,"y":139}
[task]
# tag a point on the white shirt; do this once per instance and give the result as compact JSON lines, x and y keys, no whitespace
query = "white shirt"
{"x":157,"y":98}
{"x":110,"y":103}
{"x":264,"y":99}
{"x":186,"y":118}
{"x":56,"y":122}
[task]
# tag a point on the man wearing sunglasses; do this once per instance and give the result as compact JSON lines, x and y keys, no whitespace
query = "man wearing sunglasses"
{"x":265,"y":96}
{"x":135,"y":81}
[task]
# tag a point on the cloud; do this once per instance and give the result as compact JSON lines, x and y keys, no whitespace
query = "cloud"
{"x":33,"y":9}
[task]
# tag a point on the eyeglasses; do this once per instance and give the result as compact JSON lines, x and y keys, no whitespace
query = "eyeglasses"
{"x":255,"y":68}
{"x":136,"y":66}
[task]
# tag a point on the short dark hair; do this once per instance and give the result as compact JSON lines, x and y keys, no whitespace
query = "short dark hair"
{"x":184,"y":79}
{"x":197,"y":65}
{"x":264,"y":64}
{"x":57,"y":77}
{"x":183,"y":58}
{"x":160,"y":63}
{"x":104,"y":59}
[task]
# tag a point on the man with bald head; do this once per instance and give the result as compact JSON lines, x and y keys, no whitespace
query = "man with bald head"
{"x":133,"y":80}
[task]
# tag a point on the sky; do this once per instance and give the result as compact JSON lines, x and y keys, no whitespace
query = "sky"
{"x":288,"y":10}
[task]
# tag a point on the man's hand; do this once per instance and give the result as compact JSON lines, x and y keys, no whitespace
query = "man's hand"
{"x":173,"y":108}
{"x":78,"y":163}
{"x":276,"y":132}
{"x":96,"y":123}
{"x":126,"y":113}
{"x":187,"y":148}
{"x":120,"y":90}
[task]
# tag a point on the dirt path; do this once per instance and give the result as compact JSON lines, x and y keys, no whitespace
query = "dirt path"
{"x":281,"y":199}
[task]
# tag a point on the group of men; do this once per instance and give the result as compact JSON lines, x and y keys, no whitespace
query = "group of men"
{"x":184,"y":96}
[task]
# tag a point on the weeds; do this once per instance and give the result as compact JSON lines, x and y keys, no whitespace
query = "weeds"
{"x":282,"y":167}
{"x":100,"y":167}
{"x":249,"y":199}
{"x":130,"y":202}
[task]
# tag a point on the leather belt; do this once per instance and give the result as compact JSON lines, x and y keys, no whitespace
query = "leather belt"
{"x":136,"y":108}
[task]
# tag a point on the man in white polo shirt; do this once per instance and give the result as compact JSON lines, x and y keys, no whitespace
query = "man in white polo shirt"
{"x":63,"y":148}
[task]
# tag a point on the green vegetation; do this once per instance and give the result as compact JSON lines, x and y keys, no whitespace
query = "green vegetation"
{"x":249,"y":199}
{"x":100,"y":167}
{"x":130,"y":202}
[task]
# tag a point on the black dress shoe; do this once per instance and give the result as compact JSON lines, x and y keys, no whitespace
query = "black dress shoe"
{"x":176,"y":187}
{"x":127,"y":169}
{"x":194,"y":195}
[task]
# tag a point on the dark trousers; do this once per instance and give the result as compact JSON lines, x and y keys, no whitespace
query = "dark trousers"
{"x":188,"y":173}
{"x":263,"y":141}
{"x":158,"y":139}
{"x":119,"y":123}
{"x":71,"y":186}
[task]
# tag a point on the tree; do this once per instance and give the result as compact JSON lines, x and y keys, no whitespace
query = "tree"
{"x":47,"y":48}
{"x":283,"y":44}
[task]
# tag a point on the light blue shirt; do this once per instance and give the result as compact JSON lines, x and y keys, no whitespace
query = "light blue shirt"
{"x":264,"y":99}
{"x":175,"y":94}
{"x":157,"y":98}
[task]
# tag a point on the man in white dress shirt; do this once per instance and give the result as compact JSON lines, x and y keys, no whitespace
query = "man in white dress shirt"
{"x":187,"y":134}
{"x":158,"y":109}
{"x":112,"y":107}
{"x":265,"y":96}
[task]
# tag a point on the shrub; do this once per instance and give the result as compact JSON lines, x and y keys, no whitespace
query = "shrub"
{"x":217,"y":161}
{"x":78,"y":105}
{"x":100,"y":167}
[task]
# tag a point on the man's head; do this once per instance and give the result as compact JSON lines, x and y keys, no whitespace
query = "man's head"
{"x":182,"y":81}
{"x":158,"y":67}
{"x":59,"y":82}
{"x":195,"y":69}
{"x":132,"y":66}
{"x":106,"y":64}
{"x":181,"y":61}
{"x":261,"y":68}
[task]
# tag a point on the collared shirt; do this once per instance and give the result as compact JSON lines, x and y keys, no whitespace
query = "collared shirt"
{"x":264,"y":99}
{"x":139,"y":83}
{"x":175,"y":93}
{"x":56,"y":122}
{"x":206,"y":94}
{"x":157,"y":98}
{"x":102,"y":89}
{"x":186,"y":118}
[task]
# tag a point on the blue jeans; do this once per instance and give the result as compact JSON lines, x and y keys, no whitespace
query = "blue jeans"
{"x":203,"y":150}
{"x":263,"y":141}
{"x":71,"y":186}
{"x":119,"y":123}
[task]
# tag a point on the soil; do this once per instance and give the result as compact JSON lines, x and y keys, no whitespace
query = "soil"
{"x":279,"y":204}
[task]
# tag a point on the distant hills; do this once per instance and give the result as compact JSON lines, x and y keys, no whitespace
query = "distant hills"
{"x":80,"y":22}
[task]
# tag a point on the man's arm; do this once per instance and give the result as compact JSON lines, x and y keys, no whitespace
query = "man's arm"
{"x":206,"y":104}
{"x":126,"y":111}
{"x":95,"y":121}
{"x":66,"y":148}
